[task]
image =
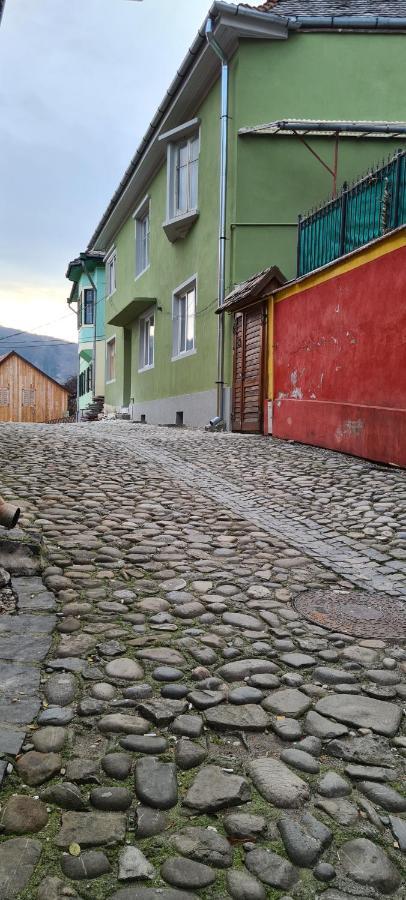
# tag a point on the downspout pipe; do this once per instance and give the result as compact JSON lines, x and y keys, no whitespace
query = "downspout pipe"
{"x":9,"y":514}
{"x":224,"y":116}
{"x":86,"y":271}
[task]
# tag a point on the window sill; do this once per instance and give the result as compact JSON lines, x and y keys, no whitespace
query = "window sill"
{"x":182,"y":355}
{"x":177,"y":228}
{"x":109,"y":296}
{"x":145,"y":369}
{"x":112,"y":381}
{"x":140,"y":274}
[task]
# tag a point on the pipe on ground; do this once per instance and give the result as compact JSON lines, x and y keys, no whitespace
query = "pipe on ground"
{"x":9,"y":514}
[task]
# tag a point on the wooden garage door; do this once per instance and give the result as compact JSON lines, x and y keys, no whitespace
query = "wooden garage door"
{"x":248,"y":359}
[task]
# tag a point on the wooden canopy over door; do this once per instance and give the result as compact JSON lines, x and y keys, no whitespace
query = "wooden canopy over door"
{"x":248,"y":369}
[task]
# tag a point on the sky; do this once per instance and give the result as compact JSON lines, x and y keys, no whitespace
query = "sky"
{"x":79,"y":85}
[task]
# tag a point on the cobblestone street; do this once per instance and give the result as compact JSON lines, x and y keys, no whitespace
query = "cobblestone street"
{"x":171,"y":726}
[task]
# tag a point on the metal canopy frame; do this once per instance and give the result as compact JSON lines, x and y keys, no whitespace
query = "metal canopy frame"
{"x":305,"y":128}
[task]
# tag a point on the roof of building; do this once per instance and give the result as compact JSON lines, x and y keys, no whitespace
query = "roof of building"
{"x":33,"y":366}
{"x":253,"y":289}
{"x":393,"y":8}
{"x":279,"y":12}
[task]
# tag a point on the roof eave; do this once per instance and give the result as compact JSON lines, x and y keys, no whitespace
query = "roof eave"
{"x":231,"y":23}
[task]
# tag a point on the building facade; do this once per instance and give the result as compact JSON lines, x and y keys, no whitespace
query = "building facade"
{"x":87,"y":274}
{"x":168,"y":357}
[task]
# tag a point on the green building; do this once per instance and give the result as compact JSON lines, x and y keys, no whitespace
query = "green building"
{"x":295,"y":89}
{"x":87,"y":274}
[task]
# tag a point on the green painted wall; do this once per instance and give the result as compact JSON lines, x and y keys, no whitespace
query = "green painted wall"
{"x":170,"y":266}
{"x":270,"y":181}
{"x":314,"y":76}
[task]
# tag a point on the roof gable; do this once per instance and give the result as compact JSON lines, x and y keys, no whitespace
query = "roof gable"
{"x":32,"y":366}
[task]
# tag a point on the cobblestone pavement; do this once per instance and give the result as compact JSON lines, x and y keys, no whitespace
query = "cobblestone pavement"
{"x":170,"y":727}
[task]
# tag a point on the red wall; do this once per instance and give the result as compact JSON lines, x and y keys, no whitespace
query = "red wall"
{"x":340,"y":361}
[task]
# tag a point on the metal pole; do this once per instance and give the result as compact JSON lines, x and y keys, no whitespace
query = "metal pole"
{"x":223,"y":212}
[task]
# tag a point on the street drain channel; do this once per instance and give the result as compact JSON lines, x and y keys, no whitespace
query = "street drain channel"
{"x":356,"y":613}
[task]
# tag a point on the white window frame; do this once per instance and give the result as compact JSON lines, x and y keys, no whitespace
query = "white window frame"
{"x":174,"y":210}
{"x":82,"y":307}
{"x":178,"y":294}
{"x":111,"y":274}
{"x":146,"y":317}
{"x":110,"y":341}
{"x":142,"y":215}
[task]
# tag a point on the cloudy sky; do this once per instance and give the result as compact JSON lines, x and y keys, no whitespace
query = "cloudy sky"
{"x":79,"y":83}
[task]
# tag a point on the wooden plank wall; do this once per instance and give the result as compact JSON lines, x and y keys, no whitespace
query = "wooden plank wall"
{"x":50,"y":401}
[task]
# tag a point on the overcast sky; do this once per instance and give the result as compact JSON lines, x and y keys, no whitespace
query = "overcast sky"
{"x":79,"y":84}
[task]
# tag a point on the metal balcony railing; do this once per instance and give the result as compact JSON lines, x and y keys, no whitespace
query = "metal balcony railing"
{"x":360,"y":213}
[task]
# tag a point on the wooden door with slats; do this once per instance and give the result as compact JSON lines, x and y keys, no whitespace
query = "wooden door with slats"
{"x":248,"y":370}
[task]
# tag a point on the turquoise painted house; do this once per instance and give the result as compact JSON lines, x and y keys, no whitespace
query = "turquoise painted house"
{"x":87,"y":274}
{"x":254,"y":129}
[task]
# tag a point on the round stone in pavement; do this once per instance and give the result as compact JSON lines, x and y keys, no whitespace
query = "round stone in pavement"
{"x":60,"y":689}
{"x":138,"y":692}
{"x":134,"y":865}
{"x":287,"y":729}
{"x":243,"y":886}
{"x":166,"y":673}
{"x":155,"y":783}
{"x":245,"y":694}
{"x":324,"y":872}
{"x":90,"y":864}
{"x":117,"y":765}
{"x":23,"y":814}
{"x":244,"y":825}
{"x":138,"y":743}
{"x":369,"y":865}
{"x":117,"y":799}
{"x":65,"y":795}
{"x":118,"y":722}
{"x":203,"y":845}
{"x":35,"y":768}
{"x":49,"y":739}
{"x":174,"y":691}
{"x":184,"y":873}
{"x":271,"y":868}
{"x":149,"y":822}
{"x":126,"y":669}
{"x":102,"y":690}
{"x":333,"y":785}
{"x":189,"y":755}
{"x":301,"y":760}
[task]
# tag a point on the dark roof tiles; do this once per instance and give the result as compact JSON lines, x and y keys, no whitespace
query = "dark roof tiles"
{"x":394,"y":8}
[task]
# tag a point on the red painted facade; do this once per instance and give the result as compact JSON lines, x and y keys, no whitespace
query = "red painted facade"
{"x":339,"y":357}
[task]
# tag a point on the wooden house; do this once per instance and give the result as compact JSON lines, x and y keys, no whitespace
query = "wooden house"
{"x":27,"y":394}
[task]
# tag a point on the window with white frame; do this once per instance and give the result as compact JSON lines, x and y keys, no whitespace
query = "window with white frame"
{"x":87,"y":306}
{"x":111,"y":281}
{"x":111,"y":359}
{"x":142,"y":237}
{"x":185,"y":171}
{"x":184,"y":320}
{"x":147,"y":341}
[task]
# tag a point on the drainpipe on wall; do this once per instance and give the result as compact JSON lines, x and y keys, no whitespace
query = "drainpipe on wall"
{"x":223,"y":211}
{"x":86,"y":271}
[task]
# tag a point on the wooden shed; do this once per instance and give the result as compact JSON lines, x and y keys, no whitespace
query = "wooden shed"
{"x":27,"y":394}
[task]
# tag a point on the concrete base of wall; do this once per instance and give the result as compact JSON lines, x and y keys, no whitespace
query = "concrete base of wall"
{"x":197,"y":409}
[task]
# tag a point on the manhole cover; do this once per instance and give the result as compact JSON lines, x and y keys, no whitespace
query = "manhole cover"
{"x":354,"y":612}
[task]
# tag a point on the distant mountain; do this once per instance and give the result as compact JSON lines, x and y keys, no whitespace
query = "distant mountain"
{"x":55,"y":357}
